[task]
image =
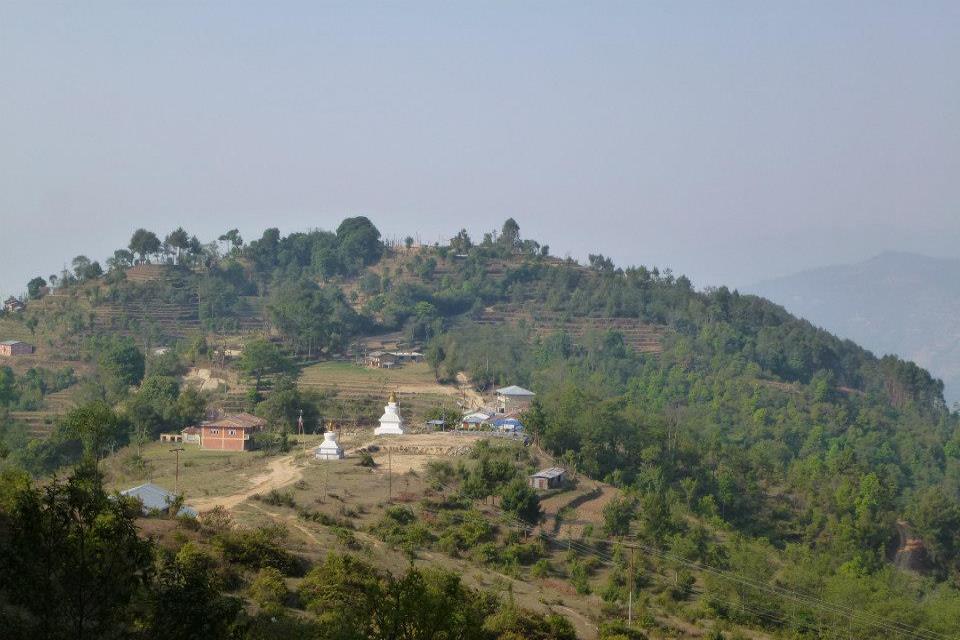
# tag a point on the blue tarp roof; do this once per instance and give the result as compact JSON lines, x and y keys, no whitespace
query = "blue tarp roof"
{"x":508,"y":422}
{"x":156,"y":498}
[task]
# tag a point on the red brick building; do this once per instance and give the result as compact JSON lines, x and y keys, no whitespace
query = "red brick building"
{"x":15,"y":348}
{"x":230,"y":433}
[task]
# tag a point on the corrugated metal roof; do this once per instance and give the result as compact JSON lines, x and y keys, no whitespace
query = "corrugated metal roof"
{"x":156,"y":498}
{"x":238,"y":421}
{"x":551,"y":472}
{"x":514,"y":390}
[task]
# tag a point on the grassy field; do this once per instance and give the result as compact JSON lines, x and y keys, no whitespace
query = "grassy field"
{"x":202,"y":473}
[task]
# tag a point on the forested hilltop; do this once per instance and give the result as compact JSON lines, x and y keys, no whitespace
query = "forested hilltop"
{"x":740,"y":438}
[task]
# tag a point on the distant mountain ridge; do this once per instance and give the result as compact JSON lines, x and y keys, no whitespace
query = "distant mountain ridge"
{"x":901,"y":303}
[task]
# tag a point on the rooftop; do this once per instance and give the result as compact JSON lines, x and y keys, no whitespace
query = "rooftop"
{"x":154,"y":497}
{"x":514,"y":390}
{"x":238,"y":421}
{"x":551,"y":472}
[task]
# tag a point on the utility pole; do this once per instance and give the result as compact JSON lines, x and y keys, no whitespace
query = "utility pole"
{"x":633,"y":553}
{"x":176,"y":482}
{"x":326,"y":481}
{"x":389,"y":475}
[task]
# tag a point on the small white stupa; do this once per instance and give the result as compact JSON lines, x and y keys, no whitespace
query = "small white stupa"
{"x":390,"y":422}
{"x":329,"y":449}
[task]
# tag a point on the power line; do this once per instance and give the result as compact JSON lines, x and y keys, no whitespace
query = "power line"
{"x":851,"y":615}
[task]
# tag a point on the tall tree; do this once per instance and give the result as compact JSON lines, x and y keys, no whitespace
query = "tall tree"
{"x":120,"y":259}
{"x":71,"y":562}
{"x":262,"y":357}
{"x":35,"y":286}
{"x":179,"y":240}
{"x":359,"y":242}
{"x":96,"y":426}
{"x":144,"y":243}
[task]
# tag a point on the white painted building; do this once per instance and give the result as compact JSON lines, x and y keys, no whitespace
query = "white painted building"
{"x":390,"y":422}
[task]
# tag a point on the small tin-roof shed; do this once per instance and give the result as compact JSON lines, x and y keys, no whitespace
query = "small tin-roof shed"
{"x":156,"y":498}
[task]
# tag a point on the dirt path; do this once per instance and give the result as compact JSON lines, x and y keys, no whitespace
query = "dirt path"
{"x":280,"y":472}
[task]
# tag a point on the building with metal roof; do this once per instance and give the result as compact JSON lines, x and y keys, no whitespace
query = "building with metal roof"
{"x":156,"y":498}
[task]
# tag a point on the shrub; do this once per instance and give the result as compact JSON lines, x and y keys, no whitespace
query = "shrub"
{"x":278,"y":499}
{"x":258,"y":548}
{"x":268,"y":589}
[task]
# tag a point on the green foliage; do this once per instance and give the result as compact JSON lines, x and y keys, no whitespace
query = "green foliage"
{"x":520,"y":501}
{"x":617,"y":515}
{"x":187,"y":583}
{"x":144,"y":243}
{"x":34,"y":287}
{"x":268,"y":589}
{"x":68,"y":543}
{"x":96,"y":426}
{"x":312,"y":318}
{"x":120,"y":360}
{"x":258,"y":549}
{"x":261,"y":357}
{"x":26,"y":392}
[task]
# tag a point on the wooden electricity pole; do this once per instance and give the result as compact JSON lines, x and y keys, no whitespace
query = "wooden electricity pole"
{"x":389,"y":475}
{"x":633,"y":553}
{"x":176,"y":482}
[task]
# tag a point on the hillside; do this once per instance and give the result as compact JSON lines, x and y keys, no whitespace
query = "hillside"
{"x":900,"y":303}
{"x":713,"y":433}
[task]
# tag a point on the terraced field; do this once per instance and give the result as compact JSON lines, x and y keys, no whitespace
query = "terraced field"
{"x":363,"y":391}
{"x":41,"y":423}
{"x":637,"y":335}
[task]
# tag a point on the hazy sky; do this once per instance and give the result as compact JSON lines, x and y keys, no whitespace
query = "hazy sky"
{"x":730,"y":141}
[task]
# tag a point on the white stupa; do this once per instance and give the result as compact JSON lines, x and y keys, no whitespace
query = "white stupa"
{"x":390,"y":422}
{"x":329,"y":449}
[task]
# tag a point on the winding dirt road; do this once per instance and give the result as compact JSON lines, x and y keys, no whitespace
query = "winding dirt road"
{"x":280,"y":473}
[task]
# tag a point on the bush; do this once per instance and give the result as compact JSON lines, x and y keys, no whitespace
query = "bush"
{"x":268,"y":589}
{"x":579,"y":578}
{"x":278,"y":499}
{"x":540,"y":568}
{"x":258,"y":549}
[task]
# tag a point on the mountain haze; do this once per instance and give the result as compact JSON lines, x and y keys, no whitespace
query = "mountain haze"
{"x":901,"y":303}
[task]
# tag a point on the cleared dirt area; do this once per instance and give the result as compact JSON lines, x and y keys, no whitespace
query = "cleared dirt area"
{"x":412,"y":452}
{"x":280,"y":472}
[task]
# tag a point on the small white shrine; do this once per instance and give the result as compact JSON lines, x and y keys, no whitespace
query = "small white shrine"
{"x":329,"y":449}
{"x":390,"y":422}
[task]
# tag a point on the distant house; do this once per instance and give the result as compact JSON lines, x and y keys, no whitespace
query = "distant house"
{"x":508,"y":425}
{"x":513,"y":398}
{"x":408,"y":356}
{"x":476,"y":419}
{"x":15,"y":348}
{"x":230,"y":433}
{"x":381,"y":360}
{"x":550,"y":478}
{"x":191,"y":435}
{"x":154,"y":498}
{"x":171,"y":437}
{"x":12,"y":305}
